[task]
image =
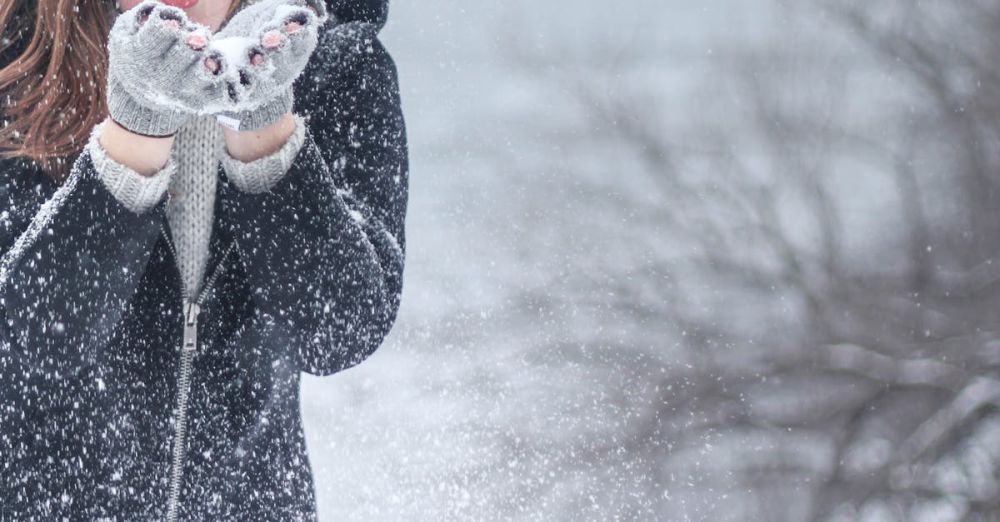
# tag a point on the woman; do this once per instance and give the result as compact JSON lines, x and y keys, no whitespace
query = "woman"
{"x":199,"y":202}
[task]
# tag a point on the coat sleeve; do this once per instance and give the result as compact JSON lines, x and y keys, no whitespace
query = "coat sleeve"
{"x":72,"y":258}
{"x":324,"y":247}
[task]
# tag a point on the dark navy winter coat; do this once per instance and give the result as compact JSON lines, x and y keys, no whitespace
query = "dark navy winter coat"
{"x":92,"y":317}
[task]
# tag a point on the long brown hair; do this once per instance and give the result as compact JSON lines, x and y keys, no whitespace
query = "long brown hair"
{"x":53,"y":93}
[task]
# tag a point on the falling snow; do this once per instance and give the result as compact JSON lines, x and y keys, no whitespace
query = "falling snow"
{"x":663,"y":260}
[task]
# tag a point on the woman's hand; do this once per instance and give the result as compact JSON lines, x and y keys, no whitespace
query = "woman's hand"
{"x":160,"y":69}
{"x":265,"y":47}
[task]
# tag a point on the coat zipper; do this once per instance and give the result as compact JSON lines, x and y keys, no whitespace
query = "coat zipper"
{"x":189,"y":347}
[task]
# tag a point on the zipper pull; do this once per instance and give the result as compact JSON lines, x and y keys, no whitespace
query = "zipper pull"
{"x":191,"y":326}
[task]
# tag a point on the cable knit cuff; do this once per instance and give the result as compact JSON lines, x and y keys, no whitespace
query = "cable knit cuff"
{"x":262,"y":174}
{"x":137,"y":192}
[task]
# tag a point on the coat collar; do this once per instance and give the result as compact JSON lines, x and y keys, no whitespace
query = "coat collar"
{"x":371,"y":11}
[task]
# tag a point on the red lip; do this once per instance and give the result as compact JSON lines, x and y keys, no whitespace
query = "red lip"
{"x":183,"y":4}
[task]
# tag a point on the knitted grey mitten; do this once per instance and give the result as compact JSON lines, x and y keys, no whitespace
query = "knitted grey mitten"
{"x":263,"y":58}
{"x":156,"y":79}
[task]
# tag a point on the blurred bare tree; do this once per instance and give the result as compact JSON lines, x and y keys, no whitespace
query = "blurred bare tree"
{"x":800,"y":261}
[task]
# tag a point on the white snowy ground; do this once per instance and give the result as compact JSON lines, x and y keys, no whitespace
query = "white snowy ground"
{"x":457,"y":416}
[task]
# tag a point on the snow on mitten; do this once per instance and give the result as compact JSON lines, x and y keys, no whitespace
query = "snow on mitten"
{"x":159,"y":70}
{"x":265,"y":46}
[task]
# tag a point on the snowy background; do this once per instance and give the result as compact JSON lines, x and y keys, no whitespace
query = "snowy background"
{"x":677,"y":260}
